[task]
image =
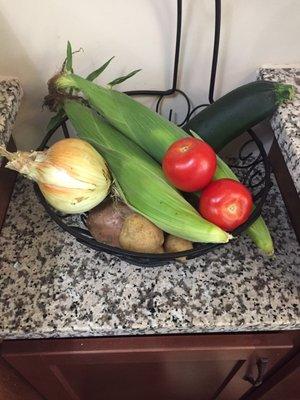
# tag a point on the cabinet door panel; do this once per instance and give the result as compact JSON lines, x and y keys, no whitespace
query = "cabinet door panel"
{"x":287,"y":389}
{"x":168,"y":381}
{"x":168,"y":368}
{"x":13,"y":386}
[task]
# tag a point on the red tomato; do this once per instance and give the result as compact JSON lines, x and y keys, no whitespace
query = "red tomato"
{"x":226,"y":203}
{"x":189,"y":164}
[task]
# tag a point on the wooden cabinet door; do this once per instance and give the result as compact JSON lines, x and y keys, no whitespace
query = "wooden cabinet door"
{"x":161,"y":367}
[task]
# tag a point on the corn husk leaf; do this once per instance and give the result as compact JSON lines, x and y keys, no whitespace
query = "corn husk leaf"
{"x":56,"y":120}
{"x":117,"y":81}
{"x":69,"y":59}
{"x":94,"y":75}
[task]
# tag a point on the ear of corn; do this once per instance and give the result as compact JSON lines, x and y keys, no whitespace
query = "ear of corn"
{"x":140,"y":180}
{"x":150,"y":131}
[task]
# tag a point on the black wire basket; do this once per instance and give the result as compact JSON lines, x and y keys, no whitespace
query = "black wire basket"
{"x":252,"y":167}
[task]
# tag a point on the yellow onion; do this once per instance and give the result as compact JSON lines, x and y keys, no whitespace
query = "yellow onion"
{"x":71,"y":174}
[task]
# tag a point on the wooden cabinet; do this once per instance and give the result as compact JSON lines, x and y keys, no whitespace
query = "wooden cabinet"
{"x":184,"y":367}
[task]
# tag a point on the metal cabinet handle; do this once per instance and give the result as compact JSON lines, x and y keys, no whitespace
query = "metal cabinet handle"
{"x":262,"y":365}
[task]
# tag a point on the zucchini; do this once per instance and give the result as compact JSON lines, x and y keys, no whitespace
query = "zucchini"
{"x":239,"y":110}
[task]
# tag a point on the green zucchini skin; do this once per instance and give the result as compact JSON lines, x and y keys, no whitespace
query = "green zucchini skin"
{"x":237,"y":111}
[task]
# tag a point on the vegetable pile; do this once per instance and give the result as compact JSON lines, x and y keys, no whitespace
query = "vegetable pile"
{"x":150,"y":161}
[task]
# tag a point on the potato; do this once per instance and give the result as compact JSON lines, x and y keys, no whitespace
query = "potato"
{"x":173,"y":244}
{"x":105,"y":221}
{"x":141,"y":235}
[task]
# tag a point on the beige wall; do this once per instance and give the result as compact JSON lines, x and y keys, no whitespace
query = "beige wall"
{"x":140,"y":33}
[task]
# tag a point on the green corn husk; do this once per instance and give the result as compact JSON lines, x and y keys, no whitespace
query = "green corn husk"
{"x":150,"y":131}
{"x":140,"y":180}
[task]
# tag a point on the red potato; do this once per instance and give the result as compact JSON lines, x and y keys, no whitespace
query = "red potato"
{"x":106,"y":220}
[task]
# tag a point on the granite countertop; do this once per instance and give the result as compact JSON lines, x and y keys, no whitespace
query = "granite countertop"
{"x":10,"y":98}
{"x":286,"y":121}
{"x":52,"y":286}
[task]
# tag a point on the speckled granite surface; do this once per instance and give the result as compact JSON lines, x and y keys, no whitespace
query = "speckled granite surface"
{"x":10,"y":97}
{"x":51,"y":286}
{"x":286,"y":121}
